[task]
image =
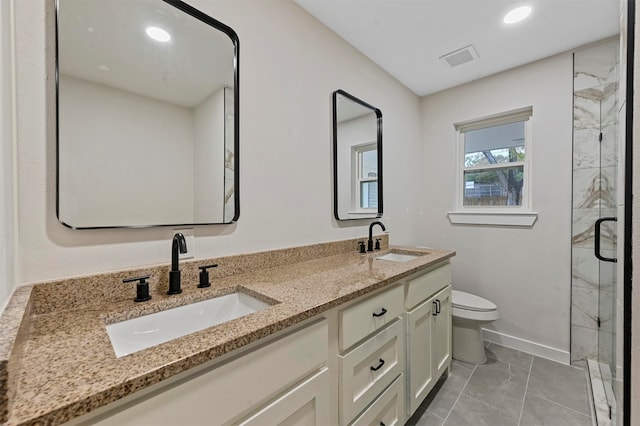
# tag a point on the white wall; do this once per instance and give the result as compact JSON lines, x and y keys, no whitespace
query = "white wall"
{"x":7,"y":147}
{"x":109,"y":136}
{"x":525,"y":271}
{"x":208,"y":159}
{"x":289,"y":66}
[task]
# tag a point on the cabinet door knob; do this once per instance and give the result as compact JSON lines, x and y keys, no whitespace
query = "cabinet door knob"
{"x":379,"y":366}
{"x":381,"y":313}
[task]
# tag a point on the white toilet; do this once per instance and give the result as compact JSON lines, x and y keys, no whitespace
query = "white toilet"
{"x":470,"y":312}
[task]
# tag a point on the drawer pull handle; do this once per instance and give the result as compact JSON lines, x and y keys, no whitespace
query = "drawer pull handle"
{"x":381,"y":313}
{"x":379,"y":366}
{"x":382,"y":424}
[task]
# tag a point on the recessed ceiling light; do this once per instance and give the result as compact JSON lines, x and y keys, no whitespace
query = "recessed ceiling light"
{"x":517,"y":14}
{"x":158,"y":34}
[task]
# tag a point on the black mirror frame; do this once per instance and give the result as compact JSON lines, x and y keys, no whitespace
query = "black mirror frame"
{"x":190,"y":10}
{"x":335,"y":151}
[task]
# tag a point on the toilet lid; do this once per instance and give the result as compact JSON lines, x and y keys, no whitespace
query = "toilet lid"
{"x":471,"y":302}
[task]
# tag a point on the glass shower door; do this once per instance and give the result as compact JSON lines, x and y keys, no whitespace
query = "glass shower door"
{"x":606,"y":244}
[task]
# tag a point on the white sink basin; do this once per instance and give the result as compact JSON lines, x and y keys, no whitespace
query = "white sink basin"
{"x":397,"y":257}
{"x":143,"y":332}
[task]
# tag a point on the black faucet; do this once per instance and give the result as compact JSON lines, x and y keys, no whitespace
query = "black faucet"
{"x":370,"y":242}
{"x":179,"y":243}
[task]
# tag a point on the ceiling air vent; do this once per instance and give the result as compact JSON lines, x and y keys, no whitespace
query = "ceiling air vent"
{"x":460,"y":56}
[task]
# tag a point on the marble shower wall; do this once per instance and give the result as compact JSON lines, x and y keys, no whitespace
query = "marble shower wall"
{"x":595,"y":160}
{"x":229,"y":178}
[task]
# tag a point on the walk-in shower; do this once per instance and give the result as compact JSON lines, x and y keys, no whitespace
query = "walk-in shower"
{"x":598,"y":206}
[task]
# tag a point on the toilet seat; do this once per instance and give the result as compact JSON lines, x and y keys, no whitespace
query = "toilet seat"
{"x":471,"y":302}
{"x":467,"y":306}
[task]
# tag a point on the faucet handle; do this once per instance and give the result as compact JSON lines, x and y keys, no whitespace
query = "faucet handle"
{"x":204,"y":275}
{"x":142,"y":288}
{"x":377,"y":244}
{"x":362,"y":249}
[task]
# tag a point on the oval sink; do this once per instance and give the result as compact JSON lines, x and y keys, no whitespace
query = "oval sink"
{"x":146,"y":331}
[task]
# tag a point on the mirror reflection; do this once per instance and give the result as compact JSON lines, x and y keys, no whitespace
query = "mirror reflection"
{"x":357,"y":150}
{"x":147,"y":115}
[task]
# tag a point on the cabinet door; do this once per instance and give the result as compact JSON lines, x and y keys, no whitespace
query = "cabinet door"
{"x":221,"y":394}
{"x":441,"y":332}
{"x":420,"y":323}
{"x":306,"y":404}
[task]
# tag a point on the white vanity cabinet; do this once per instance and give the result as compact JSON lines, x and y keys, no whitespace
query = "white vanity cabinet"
{"x":374,"y":367}
{"x":285,"y":380}
{"x":428,"y":321}
{"x":371,"y":361}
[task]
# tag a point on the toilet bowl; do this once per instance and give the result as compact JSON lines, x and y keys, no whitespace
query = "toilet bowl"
{"x":469,"y":313}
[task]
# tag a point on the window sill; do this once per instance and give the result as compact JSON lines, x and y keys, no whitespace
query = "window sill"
{"x":521,"y":219}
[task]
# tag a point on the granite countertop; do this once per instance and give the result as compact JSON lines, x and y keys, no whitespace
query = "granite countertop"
{"x":68,"y":366}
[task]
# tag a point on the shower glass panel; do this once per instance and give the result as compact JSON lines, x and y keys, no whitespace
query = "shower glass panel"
{"x":596,"y":301}
{"x":607,"y":238}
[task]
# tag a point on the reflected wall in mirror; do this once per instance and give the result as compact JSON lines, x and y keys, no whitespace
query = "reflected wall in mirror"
{"x":147,"y":108}
{"x":357,"y":158}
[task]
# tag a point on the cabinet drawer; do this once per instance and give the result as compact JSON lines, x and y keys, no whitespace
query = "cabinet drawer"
{"x":369,"y":368}
{"x":306,"y":404}
{"x":388,"y":408}
{"x":358,"y":321}
{"x":421,"y":287}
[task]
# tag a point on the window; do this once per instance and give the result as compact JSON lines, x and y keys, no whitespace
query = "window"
{"x":365,"y":177}
{"x":494,"y":173}
{"x":494,"y":165}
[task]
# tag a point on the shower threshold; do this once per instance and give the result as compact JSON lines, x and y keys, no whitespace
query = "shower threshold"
{"x":604,"y":402}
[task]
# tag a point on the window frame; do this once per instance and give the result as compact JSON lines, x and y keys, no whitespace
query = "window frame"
{"x":521,"y":215}
{"x":356,"y":179}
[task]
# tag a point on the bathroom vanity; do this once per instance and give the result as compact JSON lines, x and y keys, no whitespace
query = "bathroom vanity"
{"x":347,"y":339}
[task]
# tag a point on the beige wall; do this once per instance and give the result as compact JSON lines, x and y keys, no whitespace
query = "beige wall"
{"x":7,"y":148}
{"x":106,"y":132}
{"x":503,"y":264}
{"x":289,"y":65}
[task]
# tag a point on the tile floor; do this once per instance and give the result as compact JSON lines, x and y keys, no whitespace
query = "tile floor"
{"x":511,"y":388}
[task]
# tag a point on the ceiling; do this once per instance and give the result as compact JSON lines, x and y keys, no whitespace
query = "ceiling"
{"x":105,"y":42}
{"x":407,"y":38}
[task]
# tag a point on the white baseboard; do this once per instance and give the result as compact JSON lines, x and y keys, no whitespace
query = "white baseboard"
{"x":527,"y":346}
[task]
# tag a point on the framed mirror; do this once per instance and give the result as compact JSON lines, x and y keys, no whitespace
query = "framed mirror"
{"x":357,"y":158}
{"x":147,"y":115}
